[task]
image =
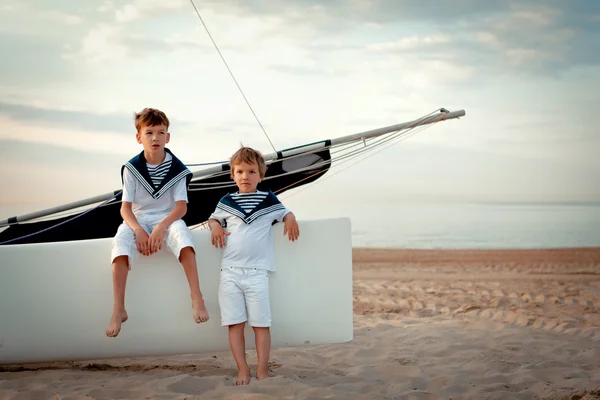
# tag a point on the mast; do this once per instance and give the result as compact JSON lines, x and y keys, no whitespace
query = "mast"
{"x":445,"y":115}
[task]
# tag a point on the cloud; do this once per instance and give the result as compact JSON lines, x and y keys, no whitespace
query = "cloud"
{"x":108,"y":44}
{"x":74,"y":119}
{"x":91,"y":140}
{"x":520,"y":37}
{"x":141,"y":9}
{"x":500,"y":37}
{"x":290,"y":41}
{"x":33,"y":38}
{"x":129,"y":33}
{"x":102,"y":44}
{"x":409,"y":43}
{"x":32,"y":61}
{"x":38,"y":18}
{"x":51,"y":155}
{"x":338,"y":15}
{"x":541,"y":37}
{"x":30,"y":172}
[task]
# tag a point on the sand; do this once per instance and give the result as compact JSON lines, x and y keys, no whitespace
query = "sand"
{"x":429,"y":324}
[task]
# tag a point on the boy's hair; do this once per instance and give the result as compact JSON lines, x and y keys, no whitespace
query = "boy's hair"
{"x":150,"y":117}
{"x":248,"y":155}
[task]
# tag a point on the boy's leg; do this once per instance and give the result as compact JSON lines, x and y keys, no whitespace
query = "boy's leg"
{"x":259,"y":317}
{"x":178,"y":240}
{"x":263,"y":350}
{"x":237,"y":342}
{"x":233,"y":315}
{"x":120,"y":269}
{"x":188,"y":261}
{"x":123,"y":251}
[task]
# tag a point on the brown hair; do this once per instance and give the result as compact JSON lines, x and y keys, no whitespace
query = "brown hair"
{"x":150,"y":117}
{"x":248,"y":155}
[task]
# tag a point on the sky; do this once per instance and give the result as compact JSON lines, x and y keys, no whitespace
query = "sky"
{"x":527,"y":74}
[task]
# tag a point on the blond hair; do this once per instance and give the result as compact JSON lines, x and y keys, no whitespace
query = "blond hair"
{"x":250,"y":156}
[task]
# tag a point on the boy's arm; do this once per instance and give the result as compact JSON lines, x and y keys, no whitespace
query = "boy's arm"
{"x":141,"y":236}
{"x":128,"y":196}
{"x":214,"y":224}
{"x":290,"y":226}
{"x":129,"y":217}
{"x":289,"y":216}
{"x":217,"y":233}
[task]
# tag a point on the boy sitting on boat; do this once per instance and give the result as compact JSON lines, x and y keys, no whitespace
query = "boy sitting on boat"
{"x":248,"y":257}
{"x":154,"y":201}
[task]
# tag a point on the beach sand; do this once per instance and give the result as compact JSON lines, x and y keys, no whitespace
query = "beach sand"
{"x":429,"y":324}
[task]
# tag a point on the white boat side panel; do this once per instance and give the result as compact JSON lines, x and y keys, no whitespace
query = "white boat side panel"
{"x":56,"y":298}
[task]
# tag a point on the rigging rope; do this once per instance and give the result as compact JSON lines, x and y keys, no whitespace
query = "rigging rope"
{"x":233,"y":77}
{"x":401,"y":137}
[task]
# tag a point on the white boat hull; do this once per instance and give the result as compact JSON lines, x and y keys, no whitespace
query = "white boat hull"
{"x":56,"y":298}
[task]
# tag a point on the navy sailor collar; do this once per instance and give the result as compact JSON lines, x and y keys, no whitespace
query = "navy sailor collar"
{"x":269,"y":204}
{"x":137,"y":166}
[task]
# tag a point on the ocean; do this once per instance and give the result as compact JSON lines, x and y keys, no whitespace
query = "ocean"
{"x":453,"y":225}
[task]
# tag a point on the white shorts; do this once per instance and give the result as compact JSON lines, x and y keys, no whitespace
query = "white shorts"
{"x":177,"y":236}
{"x":244,"y":296}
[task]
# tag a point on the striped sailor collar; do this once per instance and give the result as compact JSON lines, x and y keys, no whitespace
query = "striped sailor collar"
{"x":139,"y":169}
{"x":269,"y":204}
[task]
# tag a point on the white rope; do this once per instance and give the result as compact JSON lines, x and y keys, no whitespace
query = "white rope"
{"x":233,"y":77}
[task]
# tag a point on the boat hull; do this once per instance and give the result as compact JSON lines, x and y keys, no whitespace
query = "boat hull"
{"x":56,"y":298}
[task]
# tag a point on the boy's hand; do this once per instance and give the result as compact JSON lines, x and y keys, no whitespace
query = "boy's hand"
{"x":141,"y":241}
{"x":290,"y":227}
{"x":155,"y":241}
{"x":218,"y":235}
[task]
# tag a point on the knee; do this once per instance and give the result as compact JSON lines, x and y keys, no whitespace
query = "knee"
{"x":188,"y":250}
{"x":186,"y":253}
{"x":237,"y":327}
{"x":120,"y":262}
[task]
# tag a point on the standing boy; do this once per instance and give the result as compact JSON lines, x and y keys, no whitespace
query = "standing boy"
{"x":248,"y":258}
{"x":153,"y":202}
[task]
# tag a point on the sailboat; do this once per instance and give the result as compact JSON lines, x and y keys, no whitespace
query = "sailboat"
{"x":55,"y":280}
{"x":286,"y":169}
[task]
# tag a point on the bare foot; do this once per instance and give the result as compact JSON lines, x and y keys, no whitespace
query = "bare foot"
{"x":118,"y":317}
{"x":200,"y":312}
{"x":243,"y":377}
{"x":260,"y":375}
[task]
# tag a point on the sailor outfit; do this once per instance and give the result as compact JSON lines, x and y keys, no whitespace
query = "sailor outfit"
{"x":153,"y":191}
{"x":248,"y":256}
